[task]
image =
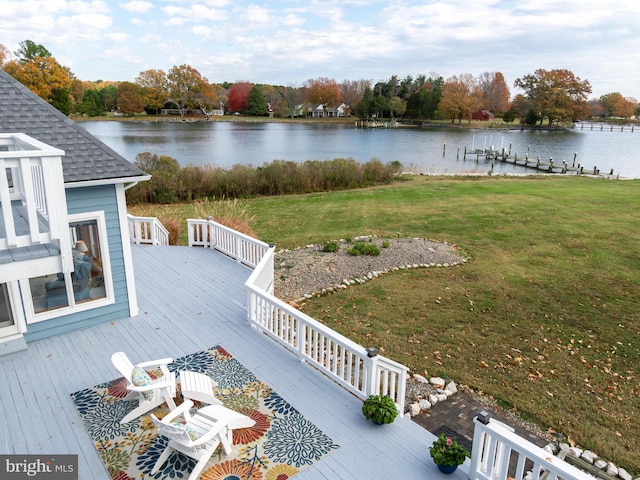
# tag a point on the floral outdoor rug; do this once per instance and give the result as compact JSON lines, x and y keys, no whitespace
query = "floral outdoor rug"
{"x":280,"y":444}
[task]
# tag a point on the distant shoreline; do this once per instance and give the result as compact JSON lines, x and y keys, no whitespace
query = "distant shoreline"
{"x":386,"y":123}
{"x":474,"y":124}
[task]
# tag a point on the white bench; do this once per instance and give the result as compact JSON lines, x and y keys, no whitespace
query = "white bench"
{"x":198,"y":387}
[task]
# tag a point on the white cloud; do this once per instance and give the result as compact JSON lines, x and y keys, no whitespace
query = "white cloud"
{"x":200,"y":13}
{"x":217,"y":3}
{"x":117,"y":36}
{"x":96,"y":6}
{"x":137,"y":6}
{"x":85,"y":23}
{"x":257,"y":14}
{"x":292,"y":20}
{"x":209,"y":33}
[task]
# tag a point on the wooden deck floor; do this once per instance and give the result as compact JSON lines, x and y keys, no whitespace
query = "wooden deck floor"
{"x":191,"y":299}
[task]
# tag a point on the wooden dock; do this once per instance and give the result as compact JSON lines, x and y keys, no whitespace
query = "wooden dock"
{"x":548,"y":166}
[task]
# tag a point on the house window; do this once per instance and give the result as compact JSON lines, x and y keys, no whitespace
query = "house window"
{"x":7,"y":320}
{"x":89,"y":282}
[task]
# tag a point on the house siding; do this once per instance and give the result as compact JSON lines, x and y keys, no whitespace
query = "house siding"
{"x":83,"y":200}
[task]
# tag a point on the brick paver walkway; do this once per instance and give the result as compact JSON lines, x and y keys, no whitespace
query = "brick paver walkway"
{"x":455,"y":416}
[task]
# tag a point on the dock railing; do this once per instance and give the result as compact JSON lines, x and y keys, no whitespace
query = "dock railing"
{"x":147,"y":231}
{"x":358,"y":369}
{"x":499,"y":453}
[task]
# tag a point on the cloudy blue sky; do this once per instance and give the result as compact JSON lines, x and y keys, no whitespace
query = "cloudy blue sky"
{"x":289,"y":42}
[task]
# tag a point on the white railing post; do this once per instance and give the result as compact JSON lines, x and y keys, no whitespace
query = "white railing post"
{"x":496,"y":444}
{"x":371,"y":367}
{"x":7,"y":211}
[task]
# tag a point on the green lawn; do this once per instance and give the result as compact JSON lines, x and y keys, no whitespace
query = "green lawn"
{"x":545,"y":315}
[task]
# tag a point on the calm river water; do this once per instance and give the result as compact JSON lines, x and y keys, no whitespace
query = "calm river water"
{"x":223,"y":144}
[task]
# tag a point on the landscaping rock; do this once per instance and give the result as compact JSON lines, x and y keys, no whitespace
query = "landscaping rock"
{"x":589,"y":456}
{"x":624,"y":475}
{"x":437,"y":382}
{"x":601,"y":464}
{"x":420,"y":378}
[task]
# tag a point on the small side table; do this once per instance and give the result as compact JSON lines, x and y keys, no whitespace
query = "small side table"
{"x":231,"y":419}
{"x":198,"y":387}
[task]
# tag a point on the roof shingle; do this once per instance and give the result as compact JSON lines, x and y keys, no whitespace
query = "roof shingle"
{"x":86,"y":158}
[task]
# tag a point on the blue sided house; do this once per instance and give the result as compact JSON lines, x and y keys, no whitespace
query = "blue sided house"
{"x":65,"y":256}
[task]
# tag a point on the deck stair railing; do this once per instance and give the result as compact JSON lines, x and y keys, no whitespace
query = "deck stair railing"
{"x":32,"y":195}
{"x":499,"y":453}
{"x":361,"y":371}
{"x":147,"y":231}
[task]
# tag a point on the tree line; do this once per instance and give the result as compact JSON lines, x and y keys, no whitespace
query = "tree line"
{"x":556,"y":96}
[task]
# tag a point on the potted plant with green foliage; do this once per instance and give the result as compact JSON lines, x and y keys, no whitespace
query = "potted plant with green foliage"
{"x":380,"y":408}
{"x":447,"y":453}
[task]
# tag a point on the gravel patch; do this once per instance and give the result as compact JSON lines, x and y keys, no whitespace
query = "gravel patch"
{"x":305,"y":272}
{"x":308,"y":271}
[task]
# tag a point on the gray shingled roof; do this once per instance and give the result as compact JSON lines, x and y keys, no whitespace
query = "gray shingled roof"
{"x":86,"y":158}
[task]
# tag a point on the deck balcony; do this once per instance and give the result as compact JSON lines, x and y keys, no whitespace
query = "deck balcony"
{"x":192,"y":299}
{"x":34,"y":230}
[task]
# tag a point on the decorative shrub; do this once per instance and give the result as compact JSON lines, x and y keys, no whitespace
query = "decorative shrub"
{"x":361,"y":248}
{"x":330,"y":247}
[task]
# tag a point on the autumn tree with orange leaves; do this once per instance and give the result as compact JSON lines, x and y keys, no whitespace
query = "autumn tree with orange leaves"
{"x":4,"y":54}
{"x":615,"y":105}
{"x":495,"y":92}
{"x":155,"y":88}
{"x":460,"y":98}
{"x":129,"y":98}
{"x":187,"y":88}
{"x":41,"y":73}
{"x":557,"y":95}
{"x":323,"y":91}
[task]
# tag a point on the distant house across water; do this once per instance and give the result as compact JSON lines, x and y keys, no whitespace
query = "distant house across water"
{"x":485,"y":115}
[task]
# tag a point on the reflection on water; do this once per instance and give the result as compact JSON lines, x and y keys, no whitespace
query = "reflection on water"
{"x":224,"y":144}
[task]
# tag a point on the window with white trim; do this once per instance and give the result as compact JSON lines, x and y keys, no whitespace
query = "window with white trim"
{"x":90,"y":281}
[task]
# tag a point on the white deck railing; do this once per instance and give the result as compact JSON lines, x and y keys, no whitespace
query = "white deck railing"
{"x":336,"y":356}
{"x":147,"y":231}
{"x":32,"y":196}
{"x":499,"y":453}
{"x":210,"y":234}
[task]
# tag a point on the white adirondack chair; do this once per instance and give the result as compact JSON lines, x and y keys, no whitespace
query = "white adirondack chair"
{"x":149,"y":392}
{"x":200,"y":435}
